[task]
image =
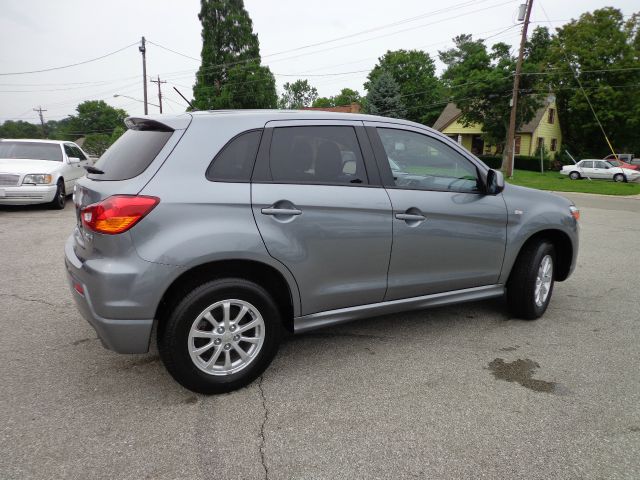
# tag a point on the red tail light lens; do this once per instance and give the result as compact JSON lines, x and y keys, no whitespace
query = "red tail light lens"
{"x":117,"y":214}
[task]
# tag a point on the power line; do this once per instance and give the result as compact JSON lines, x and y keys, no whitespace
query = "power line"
{"x":72,"y":64}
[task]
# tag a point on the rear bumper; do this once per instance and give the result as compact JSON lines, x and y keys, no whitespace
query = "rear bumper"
{"x":119,"y":304}
{"x":27,"y":194}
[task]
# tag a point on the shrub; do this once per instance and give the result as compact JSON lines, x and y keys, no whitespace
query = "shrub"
{"x":522,"y":162}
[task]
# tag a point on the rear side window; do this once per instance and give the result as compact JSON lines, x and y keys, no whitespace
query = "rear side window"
{"x":235,"y":161}
{"x":326,"y":155}
{"x":132,"y":153}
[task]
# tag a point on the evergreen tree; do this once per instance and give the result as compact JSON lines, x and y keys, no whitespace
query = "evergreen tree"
{"x":384,"y":97}
{"x":415,"y":73}
{"x":229,"y":46}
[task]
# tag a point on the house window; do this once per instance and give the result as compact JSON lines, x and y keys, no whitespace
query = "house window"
{"x":517,"y":146}
{"x":552,"y":115}
{"x":554,"y":144}
{"x":540,"y":143}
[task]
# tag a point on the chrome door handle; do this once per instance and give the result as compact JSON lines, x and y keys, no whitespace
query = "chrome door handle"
{"x":408,"y":217}
{"x":281,"y":211}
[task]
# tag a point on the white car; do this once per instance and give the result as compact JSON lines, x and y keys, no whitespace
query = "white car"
{"x":39,"y":171}
{"x":599,"y":169}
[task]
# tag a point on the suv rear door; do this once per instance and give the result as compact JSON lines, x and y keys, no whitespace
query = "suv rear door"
{"x":447,"y":234}
{"x":321,"y":211}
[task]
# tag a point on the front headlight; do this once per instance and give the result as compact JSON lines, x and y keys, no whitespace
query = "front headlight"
{"x":37,"y":179}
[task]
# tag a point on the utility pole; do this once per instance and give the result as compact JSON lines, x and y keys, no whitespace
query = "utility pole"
{"x":143,"y":51}
{"x":40,"y":110}
{"x":507,"y":160}
{"x":159,"y":82}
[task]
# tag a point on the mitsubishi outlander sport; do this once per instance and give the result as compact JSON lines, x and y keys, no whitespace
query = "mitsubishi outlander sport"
{"x":226,"y":229}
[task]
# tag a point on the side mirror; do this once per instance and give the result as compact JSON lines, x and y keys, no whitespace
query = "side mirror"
{"x":495,"y":182}
{"x":73,"y":160}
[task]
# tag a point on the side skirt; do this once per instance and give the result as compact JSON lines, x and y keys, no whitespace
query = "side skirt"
{"x":333,"y":317}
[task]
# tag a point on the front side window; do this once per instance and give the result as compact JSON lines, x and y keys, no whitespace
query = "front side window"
{"x":602,"y":165}
{"x":421,"y":162}
{"x":316,"y":154}
{"x":78,"y":153}
{"x":30,"y":151}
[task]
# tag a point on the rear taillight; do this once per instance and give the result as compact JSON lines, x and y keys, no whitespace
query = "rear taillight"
{"x":117,"y":214}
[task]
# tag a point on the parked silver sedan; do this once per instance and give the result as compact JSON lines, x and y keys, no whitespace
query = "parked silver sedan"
{"x":600,"y":169}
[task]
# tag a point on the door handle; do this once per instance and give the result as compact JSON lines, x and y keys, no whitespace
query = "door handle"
{"x":281,"y":211}
{"x":409,"y":217}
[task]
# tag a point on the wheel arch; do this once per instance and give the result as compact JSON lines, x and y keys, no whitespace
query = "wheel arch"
{"x":563,"y":246}
{"x":263,"y":274}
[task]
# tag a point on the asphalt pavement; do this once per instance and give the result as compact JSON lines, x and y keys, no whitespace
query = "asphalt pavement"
{"x":455,"y":392}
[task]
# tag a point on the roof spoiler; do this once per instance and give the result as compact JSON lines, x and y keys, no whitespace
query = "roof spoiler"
{"x":158,"y":124}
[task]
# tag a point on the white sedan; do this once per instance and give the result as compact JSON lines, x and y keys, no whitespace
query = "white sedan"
{"x":599,"y":169}
{"x":39,"y":171}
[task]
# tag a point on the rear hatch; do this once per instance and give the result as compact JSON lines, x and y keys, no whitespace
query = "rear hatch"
{"x":127,"y":166}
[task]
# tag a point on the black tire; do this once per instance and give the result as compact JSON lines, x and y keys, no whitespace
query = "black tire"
{"x":521,"y":286}
{"x":619,"y":178}
{"x":60,"y":199}
{"x":574,"y":176}
{"x":173,"y":335}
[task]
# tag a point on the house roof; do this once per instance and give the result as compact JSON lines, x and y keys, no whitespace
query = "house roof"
{"x":451,"y":113}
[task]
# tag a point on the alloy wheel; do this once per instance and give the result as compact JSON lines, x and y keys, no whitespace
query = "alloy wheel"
{"x":226,"y":337}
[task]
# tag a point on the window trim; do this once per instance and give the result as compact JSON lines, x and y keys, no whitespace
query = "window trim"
{"x":262,"y":167}
{"x":385,"y":169}
{"x":222,"y":150}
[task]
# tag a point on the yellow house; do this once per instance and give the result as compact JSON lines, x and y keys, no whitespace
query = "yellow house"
{"x":542,"y":130}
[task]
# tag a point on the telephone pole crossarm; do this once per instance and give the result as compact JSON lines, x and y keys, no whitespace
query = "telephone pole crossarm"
{"x":159,"y":82}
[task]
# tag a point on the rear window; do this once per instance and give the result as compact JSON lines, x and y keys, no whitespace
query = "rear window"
{"x":31,"y":150}
{"x":131,"y":154}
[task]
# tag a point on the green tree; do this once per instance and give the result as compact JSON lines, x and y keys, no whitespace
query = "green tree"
{"x":415,"y":74}
{"x":297,"y":95}
{"x":346,"y":96}
{"x":93,"y":116}
{"x":20,"y":129}
{"x":324,"y":102}
{"x":97,"y":143}
{"x":383,"y":97}
{"x":480,"y":82}
{"x":230,"y":75}
{"x":604,"y":51}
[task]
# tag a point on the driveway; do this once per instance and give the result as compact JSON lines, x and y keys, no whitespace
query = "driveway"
{"x":455,"y":392}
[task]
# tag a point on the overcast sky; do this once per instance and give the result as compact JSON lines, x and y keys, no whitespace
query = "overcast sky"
{"x":40,"y":34}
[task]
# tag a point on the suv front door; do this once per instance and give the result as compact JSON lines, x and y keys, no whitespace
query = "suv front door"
{"x":321,"y":211}
{"x":447,"y":234}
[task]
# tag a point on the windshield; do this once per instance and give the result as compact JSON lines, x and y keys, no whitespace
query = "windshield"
{"x":615,"y":163}
{"x":31,"y":151}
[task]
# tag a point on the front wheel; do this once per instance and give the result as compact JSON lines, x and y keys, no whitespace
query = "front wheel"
{"x":531,"y":281}
{"x":221,"y":336}
{"x":619,"y":177}
{"x":60,"y":197}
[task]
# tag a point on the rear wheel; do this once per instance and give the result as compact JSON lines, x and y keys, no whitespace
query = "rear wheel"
{"x":574,"y":176}
{"x":619,"y":177}
{"x":531,"y":281}
{"x":60,"y":197}
{"x":221,"y":336}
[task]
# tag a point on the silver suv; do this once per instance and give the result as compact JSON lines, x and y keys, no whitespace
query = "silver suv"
{"x":227,"y":229}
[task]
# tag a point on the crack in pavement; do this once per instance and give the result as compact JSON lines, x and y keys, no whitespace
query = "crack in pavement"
{"x":35,"y":300}
{"x":264,"y":422}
